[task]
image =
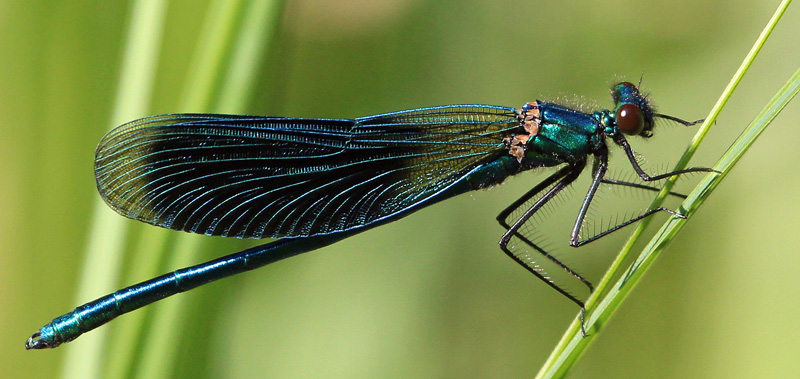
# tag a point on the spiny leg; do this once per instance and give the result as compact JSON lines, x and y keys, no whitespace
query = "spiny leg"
{"x":599,"y":170}
{"x":639,"y":186}
{"x":619,"y":139}
{"x":501,"y":218}
{"x":562,"y":178}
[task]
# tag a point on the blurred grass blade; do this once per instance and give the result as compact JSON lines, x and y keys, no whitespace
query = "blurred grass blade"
{"x":256,"y":37}
{"x":137,"y":346}
{"x":158,"y":344}
{"x":238,"y":36}
{"x":606,"y":298}
{"x":745,"y":140}
{"x":104,"y":253}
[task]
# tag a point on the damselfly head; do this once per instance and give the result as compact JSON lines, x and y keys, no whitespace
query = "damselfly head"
{"x":633,"y":114}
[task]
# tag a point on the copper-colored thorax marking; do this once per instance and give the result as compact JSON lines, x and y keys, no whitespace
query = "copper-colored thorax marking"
{"x":529,"y":127}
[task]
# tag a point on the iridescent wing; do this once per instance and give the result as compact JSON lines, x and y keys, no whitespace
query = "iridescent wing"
{"x":254,"y":177}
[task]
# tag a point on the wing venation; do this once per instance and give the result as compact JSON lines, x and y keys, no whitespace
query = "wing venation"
{"x":255,"y":177}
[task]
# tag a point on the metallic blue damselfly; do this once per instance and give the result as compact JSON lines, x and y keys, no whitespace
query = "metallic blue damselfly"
{"x":312,"y":182}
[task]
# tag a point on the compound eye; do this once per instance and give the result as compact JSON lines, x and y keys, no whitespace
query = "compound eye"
{"x":630,"y":119}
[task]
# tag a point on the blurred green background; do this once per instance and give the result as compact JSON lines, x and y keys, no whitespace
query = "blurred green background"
{"x":430,"y":295}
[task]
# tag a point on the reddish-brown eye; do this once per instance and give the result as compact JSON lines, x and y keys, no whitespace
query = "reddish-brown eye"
{"x":630,"y":119}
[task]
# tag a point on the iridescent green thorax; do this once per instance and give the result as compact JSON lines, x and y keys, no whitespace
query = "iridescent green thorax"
{"x":550,"y":134}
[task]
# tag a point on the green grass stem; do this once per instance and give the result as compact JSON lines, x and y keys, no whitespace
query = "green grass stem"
{"x":606,"y":298}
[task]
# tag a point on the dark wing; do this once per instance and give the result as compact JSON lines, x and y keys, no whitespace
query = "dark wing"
{"x":251,"y":176}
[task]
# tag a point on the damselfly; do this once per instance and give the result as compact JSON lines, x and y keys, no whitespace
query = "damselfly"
{"x":312,"y":182}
